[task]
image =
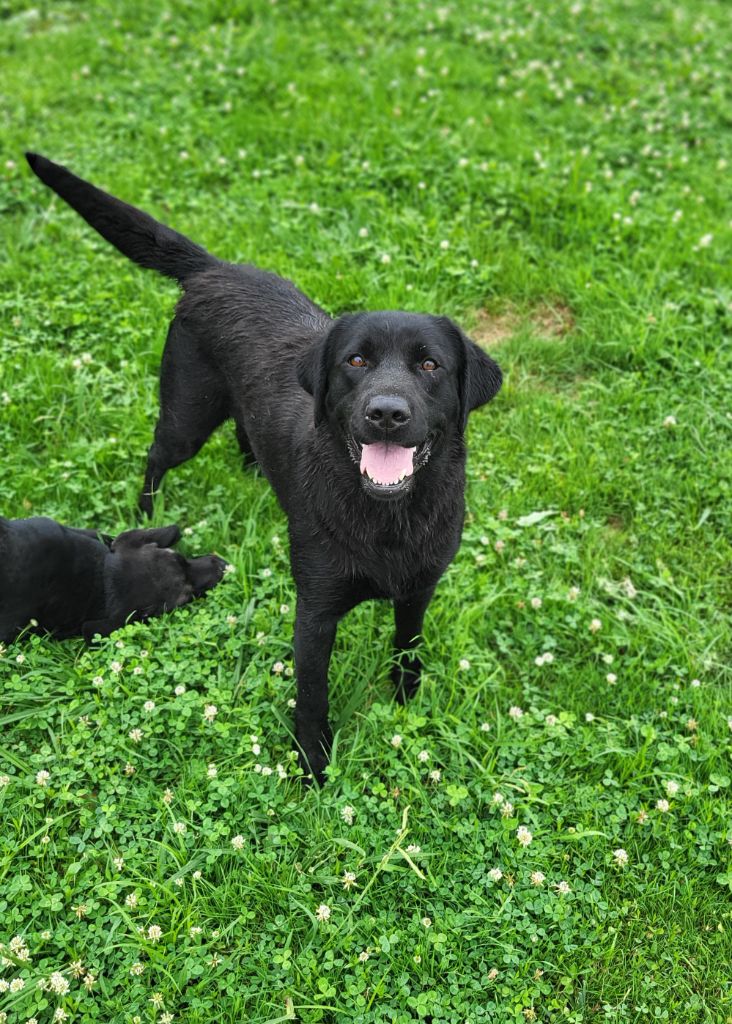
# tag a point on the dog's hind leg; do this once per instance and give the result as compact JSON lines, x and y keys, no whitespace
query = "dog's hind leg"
{"x":193,"y":402}
{"x":245,"y":447}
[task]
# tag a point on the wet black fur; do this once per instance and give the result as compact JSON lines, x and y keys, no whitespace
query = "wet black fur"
{"x":79,"y":582}
{"x":248,"y":345}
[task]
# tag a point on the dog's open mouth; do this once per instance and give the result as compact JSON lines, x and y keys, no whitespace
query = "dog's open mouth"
{"x":387,"y":469}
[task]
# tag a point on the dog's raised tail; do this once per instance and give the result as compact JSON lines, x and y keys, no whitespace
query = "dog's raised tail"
{"x":140,"y":237}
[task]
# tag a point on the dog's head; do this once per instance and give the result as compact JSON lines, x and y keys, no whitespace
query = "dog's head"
{"x":395,"y":386}
{"x":144,"y":577}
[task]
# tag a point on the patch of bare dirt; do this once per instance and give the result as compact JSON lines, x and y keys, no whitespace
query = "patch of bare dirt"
{"x":551,"y":320}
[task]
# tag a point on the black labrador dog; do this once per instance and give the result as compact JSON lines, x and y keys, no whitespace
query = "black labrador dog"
{"x":79,"y":582}
{"x":358,"y":423}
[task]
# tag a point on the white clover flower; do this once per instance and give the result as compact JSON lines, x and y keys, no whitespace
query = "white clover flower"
{"x":180,"y":828}
{"x":670,"y":421}
{"x":426,"y":922}
{"x":396,"y":740}
{"x":212,"y":771}
{"x":620,"y":857}
{"x":495,"y":874}
{"x":506,"y":809}
{"x":116,"y":666}
{"x":348,"y":813}
{"x":349,"y":879}
{"x":662,"y":806}
{"x":135,"y":735}
{"x":435,"y":775}
{"x":4,"y":781}
{"x":385,"y":257}
{"x":179,"y":690}
{"x":705,"y":241}
{"x":589,"y":717}
{"x":119,"y":863}
{"x":536,"y":602}
{"x":695,"y":683}
{"x":523,"y":835}
{"x":551,"y":720}
{"x":42,"y":777}
{"x":98,"y":680}
{"x":537,"y":878}
{"x":563,"y":888}
{"x":423,"y":756}
{"x":573,"y":593}
{"x":611,"y":678}
{"x":497,"y":798}
{"x":515,"y":713}
{"x":323,"y":912}
{"x":464,"y":664}
{"x":595,"y":626}
{"x":363,"y":232}
{"x":671,"y":787}
{"x":58,"y":983}
{"x":278,"y":668}
{"x":485,"y":726}
{"x":210,"y":712}
{"x":238,"y":842}
{"x":155,"y":933}
{"x":149,"y":706}
{"x":131,"y":900}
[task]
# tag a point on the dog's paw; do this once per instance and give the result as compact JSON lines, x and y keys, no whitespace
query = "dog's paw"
{"x":406,"y":679}
{"x":314,"y":757}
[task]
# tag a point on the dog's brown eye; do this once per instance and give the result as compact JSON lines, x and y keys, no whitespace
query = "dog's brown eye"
{"x":357,"y":360}
{"x":429,"y":365}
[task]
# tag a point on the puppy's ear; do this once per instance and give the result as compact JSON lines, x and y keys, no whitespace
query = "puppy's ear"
{"x":103,"y":627}
{"x":163,"y":536}
{"x":314,"y":365}
{"x":481,"y":376}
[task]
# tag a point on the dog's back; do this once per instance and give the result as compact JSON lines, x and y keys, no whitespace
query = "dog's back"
{"x":49,"y":573}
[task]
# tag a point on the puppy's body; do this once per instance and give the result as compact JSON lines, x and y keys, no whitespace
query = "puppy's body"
{"x":78,"y":582}
{"x":357,"y":423}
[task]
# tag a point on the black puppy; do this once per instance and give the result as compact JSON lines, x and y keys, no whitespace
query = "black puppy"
{"x":357,"y":423}
{"x":79,"y":582}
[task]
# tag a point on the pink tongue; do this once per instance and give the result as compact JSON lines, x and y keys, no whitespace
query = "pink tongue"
{"x":386,"y":463}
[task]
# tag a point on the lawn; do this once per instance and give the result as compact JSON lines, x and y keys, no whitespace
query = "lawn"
{"x":544,"y":833}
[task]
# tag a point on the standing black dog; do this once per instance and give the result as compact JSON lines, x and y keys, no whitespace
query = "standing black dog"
{"x":80,"y":582}
{"x":357,"y":423}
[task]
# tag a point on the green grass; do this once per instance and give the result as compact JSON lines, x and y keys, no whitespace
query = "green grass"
{"x":550,"y":145}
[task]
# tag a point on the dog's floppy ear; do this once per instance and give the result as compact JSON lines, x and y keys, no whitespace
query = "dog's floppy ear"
{"x":480,"y":378}
{"x":314,"y":365}
{"x":163,"y":536}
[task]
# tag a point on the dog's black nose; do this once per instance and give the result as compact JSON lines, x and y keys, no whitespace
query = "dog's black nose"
{"x":388,"y":412}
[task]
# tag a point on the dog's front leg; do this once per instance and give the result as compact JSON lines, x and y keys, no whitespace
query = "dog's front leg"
{"x":315,"y":631}
{"x":408,"y":618}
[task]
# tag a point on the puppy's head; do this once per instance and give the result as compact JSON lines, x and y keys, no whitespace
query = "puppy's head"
{"x":394,"y":387}
{"x":144,"y":577}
